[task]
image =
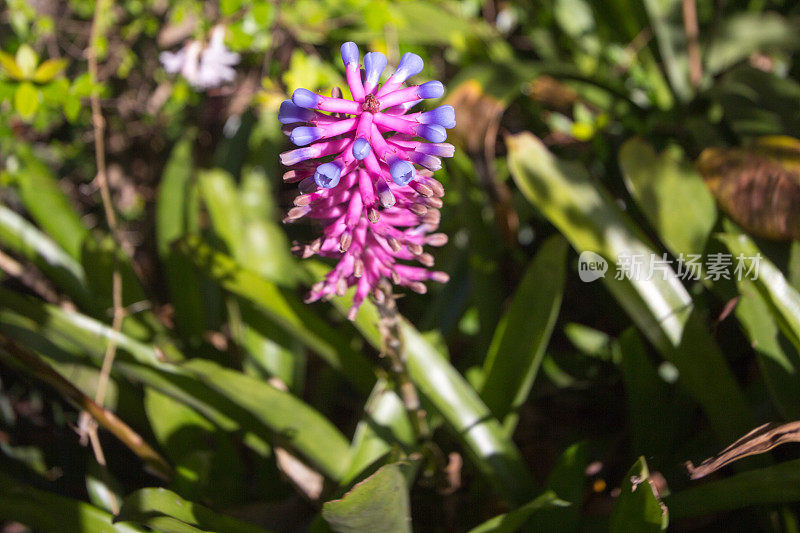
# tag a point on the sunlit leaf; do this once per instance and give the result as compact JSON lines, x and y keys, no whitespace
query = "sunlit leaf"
{"x":514,"y":520}
{"x":670,"y":194}
{"x":638,"y":507}
{"x":162,"y":510}
{"x":49,"y":69}
{"x":26,"y":100}
{"x":379,"y":503}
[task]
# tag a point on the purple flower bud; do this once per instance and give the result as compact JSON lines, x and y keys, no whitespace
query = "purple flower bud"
{"x":305,"y":98}
{"x":410,"y":65}
{"x":328,"y":175}
{"x":428,"y":161}
{"x":444,"y":115}
{"x":361,"y":148}
{"x":440,"y":149}
{"x":432,"y":132}
{"x":402,"y":172}
{"x":431,"y":89}
{"x":292,"y":157}
{"x":349,"y":52}
{"x":303,"y":135}
{"x":290,"y":113}
{"x":374,"y":64}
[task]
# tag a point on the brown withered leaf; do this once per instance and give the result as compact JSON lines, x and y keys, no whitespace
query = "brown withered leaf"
{"x":553,"y":94}
{"x":478,"y":114}
{"x":760,"y":440}
{"x":758,"y":186}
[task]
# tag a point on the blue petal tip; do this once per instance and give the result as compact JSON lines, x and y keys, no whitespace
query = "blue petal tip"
{"x":305,"y":98}
{"x":349,"y":52}
{"x":304,"y":135}
{"x":327,"y":175}
{"x":410,"y":65}
{"x":361,"y":148}
{"x":431,"y":89}
{"x":402,"y":172}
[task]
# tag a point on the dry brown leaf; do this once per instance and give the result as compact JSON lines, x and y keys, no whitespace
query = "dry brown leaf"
{"x":757,"y":186}
{"x":760,"y":440}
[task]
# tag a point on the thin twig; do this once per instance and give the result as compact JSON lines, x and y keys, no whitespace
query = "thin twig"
{"x":692,"y":42}
{"x":88,"y":428}
{"x":32,"y":364}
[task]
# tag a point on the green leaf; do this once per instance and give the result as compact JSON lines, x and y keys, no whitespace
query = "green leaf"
{"x":777,"y":358}
{"x":162,"y":510}
{"x":783,"y":300}
{"x":523,"y":334}
{"x":384,"y":413}
{"x":49,"y":206}
{"x":379,"y":503}
{"x":516,"y":519}
{"x":23,"y":238}
{"x":638,"y":508}
{"x":654,"y":412}
{"x":26,"y":60}
{"x":671,"y":194}
{"x":295,"y":319}
{"x":459,"y":404}
{"x":568,"y":480}
{"x":291,"y":422}
{"x":9,"y":64}
{"x":659,"y":12}
{"x":739,"y":35}
{"x":26,"y":100}
{"x":177,"y":215}
{"x":49,"y":69}
{"x":176,"y":212}
{"x":27,"y":505}
{"x":587,"y":216}
{"x":222,"y":200}
{"x":660,"y":306}
{"x":766,"y":486}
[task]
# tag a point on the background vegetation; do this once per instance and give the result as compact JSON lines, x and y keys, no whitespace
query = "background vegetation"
{"x":616,"y":127}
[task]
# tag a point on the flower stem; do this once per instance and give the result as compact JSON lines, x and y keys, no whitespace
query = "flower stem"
{"x":393,"y":349}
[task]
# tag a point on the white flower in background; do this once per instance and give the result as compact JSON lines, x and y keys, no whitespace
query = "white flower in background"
{"x":203,"y":68}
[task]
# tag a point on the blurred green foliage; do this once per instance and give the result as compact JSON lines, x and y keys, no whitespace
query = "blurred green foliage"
{"x":554,"y":404}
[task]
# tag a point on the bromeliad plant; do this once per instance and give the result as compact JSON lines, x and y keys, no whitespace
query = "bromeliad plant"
{"x":376,"y":209}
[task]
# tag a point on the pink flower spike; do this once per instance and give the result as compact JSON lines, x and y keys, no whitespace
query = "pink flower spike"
{"x":376,"y":209}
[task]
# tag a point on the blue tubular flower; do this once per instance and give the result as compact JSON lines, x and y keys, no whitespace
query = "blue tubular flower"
{"x":350,"y":53}
{"x":431,"y":90}
{"x":305,"y":98}
{"x":304,"y":135}
{"x":374,"y":65}
{"x":402,"y":172}
{"x":361,"y":148}
{"x":444,"y":115}
{"x":291,"y":113}
{"x":410,"y":65}
{"x":432,"y":132}
{"x":328,"y":175}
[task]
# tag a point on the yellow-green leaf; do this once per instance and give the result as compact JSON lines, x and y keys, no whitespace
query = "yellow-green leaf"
{"x":48,"y":70}
{"x":26,"y":60}
{"x":26,"y":100}
{"x":10,"y":66}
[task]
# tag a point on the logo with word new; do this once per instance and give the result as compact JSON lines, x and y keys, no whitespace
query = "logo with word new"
{"x":591,"y":266}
